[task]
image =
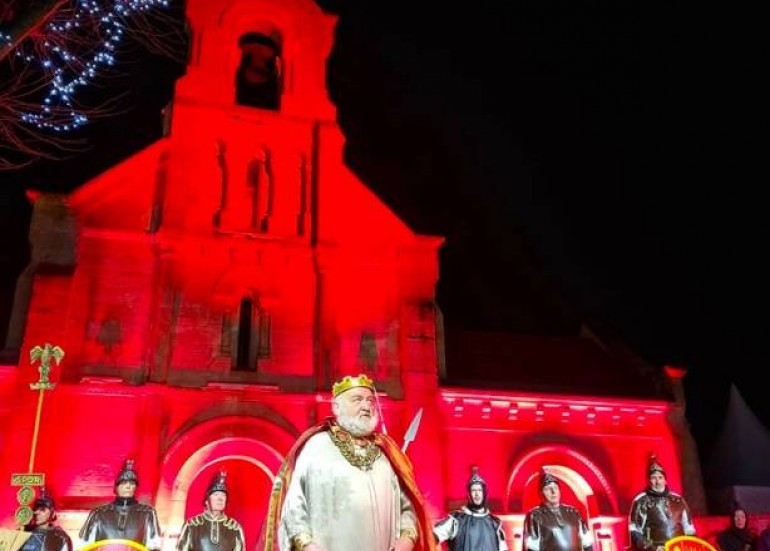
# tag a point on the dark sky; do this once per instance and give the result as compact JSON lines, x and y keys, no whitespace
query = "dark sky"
{"x":564,"y":137}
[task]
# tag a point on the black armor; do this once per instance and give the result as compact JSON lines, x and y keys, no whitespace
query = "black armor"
{"x":124,"y":518}
{"x":656,"y":517}
{"x":204,"y":533}
{"x":559,"y":528}
{"x":472,"y":528}
{"x":658,"y":514}
{"x":552,"y":526}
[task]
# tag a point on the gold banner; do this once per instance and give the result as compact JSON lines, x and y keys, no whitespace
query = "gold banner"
{"x":28,"y":479}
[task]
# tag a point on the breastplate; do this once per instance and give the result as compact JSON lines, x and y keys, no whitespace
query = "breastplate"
{"x":123,"y":523}
{"x":559,"y":531}
{"x":664,"y":520}
{"x":213,"y":537}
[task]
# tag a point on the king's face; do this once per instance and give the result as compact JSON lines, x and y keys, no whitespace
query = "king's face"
{"x":357,"y":403}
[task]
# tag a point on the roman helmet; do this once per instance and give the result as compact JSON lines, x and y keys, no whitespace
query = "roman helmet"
{"x":218,"y":484}
{"x":127,"y":473}
{"x":475,"y":479}
{"x":547,"y":478}
{"x":653,"y":466}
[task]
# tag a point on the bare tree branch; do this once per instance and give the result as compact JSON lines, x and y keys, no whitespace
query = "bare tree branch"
{"x":52,"y":49}
{"x":24,"y":18}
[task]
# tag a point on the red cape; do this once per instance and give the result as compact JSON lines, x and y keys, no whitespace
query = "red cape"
{"x":401,"y":466}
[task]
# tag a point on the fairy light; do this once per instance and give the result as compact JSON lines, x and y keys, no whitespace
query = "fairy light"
{"x":75,"y":46}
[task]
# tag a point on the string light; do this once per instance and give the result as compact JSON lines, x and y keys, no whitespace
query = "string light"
{"x":71,"y":50}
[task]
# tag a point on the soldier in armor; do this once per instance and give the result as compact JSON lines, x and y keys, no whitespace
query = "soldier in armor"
{"x":212,"y":530}
{"x":45,"y":535}
{"x":658,"y":514}
{"x":472,"y":528}
{"x":124,"y":518}
{"x":552,"y":526}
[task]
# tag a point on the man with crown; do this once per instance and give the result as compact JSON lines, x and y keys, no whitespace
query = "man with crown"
{"x":658,"y":514}
{"x":472,"y":528}
{"x":345,"y":487}
{"x":45,"y":535}
{"x":553,"y":526}
{"x":212,"y":530}
{"x":124,"y":518}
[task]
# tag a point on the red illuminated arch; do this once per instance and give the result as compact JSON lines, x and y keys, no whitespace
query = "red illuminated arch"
{"x":582,"y":477}
{"x":249,"y":445}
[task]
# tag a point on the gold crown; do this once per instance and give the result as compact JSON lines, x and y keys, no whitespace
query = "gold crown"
{"x":349,"y":382}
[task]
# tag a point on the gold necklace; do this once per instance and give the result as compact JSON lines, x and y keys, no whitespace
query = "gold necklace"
{"x":361,"y":457}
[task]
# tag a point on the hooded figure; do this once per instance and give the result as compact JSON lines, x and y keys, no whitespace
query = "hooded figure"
{"x":472,"y":528}
{"x":212,"y":530}
{"x":738,"y":537}
{"x":658,"y":514}
{"x":125,"y":517}
{"x":553,"y":526}
{"x":45,"y":536}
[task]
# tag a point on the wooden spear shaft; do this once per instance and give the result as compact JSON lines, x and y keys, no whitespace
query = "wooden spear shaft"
{"x":36,"y":430}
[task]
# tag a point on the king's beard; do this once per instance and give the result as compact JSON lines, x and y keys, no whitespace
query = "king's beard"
{"x":358,"y":425}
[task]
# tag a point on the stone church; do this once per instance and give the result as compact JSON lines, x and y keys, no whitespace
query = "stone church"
{"x":208,"y":290}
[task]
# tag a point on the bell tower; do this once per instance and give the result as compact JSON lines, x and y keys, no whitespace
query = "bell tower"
{"x":259,"y":53}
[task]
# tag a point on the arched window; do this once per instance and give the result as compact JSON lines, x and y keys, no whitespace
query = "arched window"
{"x":251,"y":339}
{"x":243,"y":345}
{"x":258,"y":80}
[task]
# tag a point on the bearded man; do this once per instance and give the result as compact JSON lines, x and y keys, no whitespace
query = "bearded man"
{"x":345,"y":487}
{"x":658,"y":514}
{"x":472,"y":528}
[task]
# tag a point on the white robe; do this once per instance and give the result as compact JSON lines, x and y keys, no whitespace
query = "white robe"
{"x":342,"y":507}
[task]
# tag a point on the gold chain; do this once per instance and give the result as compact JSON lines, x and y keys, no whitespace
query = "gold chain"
{"x":344,"y":442}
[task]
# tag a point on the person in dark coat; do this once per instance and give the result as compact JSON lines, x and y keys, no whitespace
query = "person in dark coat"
{"x":45,"y":535}
{"x":738,"y":537}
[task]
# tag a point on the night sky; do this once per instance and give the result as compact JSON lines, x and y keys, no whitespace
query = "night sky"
{"x":546,"y":137}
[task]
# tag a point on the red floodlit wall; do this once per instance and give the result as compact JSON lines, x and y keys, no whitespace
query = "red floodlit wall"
{"x":179,"y":436}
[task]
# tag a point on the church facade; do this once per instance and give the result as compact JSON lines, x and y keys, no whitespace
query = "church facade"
{"x":209,"y":290}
